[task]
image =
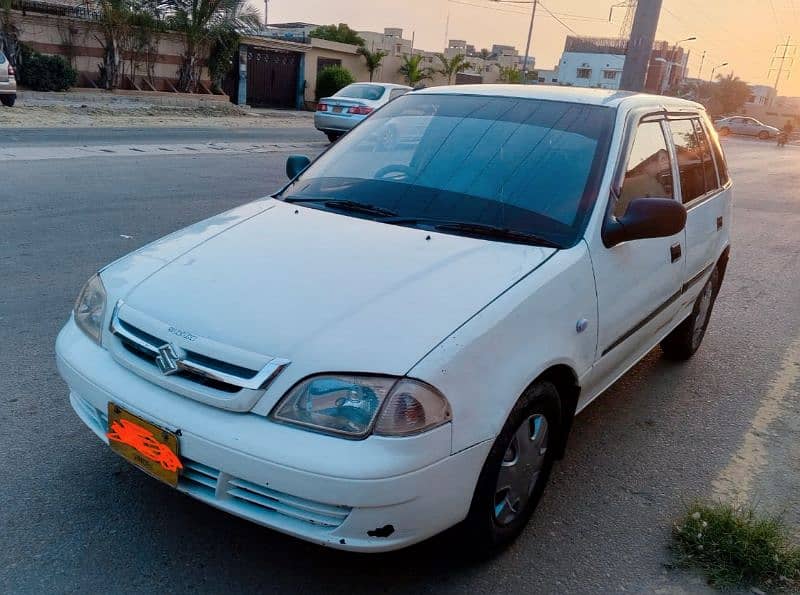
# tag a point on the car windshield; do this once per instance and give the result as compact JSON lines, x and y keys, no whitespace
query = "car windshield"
{"x":370,"y":92}
{"x":526,"y":165}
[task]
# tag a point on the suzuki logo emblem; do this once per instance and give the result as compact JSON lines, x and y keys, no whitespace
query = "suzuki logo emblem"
{"x":167,"y":360}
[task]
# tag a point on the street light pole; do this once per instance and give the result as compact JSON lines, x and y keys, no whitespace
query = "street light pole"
{"x":713,"y":70}
{"x":533,"y":4}
{"x":665,"y":84}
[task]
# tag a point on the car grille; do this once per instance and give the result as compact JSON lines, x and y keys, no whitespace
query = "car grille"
{"x":192,"y":366}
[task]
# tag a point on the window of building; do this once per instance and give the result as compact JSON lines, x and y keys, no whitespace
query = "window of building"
{"x":584,"y":73}
{"x":326,"y":62}
{"x":648,"y":173}
{"x":690,"y":159}
{"x":610,"y":74}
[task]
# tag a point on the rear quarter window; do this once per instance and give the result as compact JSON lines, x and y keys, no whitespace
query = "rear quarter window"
{"x":716,"y":148}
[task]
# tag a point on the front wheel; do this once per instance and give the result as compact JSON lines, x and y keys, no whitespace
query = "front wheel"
{"x":763,"y":135}
{"x":8,"y":100}
{"x":333,"y":136}
{"x":685,"y":340}
{"x":516,"y":471}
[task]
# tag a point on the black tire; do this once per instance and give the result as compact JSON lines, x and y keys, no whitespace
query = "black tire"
{"x":8,"y":100}
{"x":333,"y":136}
{"x":481,"y":532}
{"x":685,"y":340}
{"x":724,"y":131}
{"x":763,"y":135}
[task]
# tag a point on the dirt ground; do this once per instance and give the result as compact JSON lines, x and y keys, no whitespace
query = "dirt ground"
{"x":77,"y":115}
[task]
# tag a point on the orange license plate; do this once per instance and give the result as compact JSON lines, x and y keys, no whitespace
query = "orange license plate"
{"x":152,"y":449}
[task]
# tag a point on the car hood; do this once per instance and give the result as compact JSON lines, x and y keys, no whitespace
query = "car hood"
{"x":327,"y":291}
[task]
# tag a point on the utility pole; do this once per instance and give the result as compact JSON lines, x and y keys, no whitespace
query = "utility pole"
{"x":782,"y":59}
{"x":702,"y":61}
{"x":528,"y":45}
{"x":640,"y":45}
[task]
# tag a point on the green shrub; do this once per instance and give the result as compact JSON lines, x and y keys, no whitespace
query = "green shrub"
{"x":45,"y":73}
{"x":736,"y":547}
{"x":332,"y":79}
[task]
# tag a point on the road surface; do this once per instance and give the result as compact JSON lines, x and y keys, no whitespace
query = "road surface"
{"x":75,"y":518}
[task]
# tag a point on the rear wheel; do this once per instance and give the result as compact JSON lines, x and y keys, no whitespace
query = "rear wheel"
{"x":8,"y":100}
{"x":333,"y":136}
{"x":685,"y":340}
{"x":763,"y":135}
{"x":516,"y":471}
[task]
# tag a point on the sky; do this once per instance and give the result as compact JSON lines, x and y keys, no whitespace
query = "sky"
{"x":743,"y":33}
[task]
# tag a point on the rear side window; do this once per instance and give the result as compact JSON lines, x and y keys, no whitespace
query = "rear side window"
{"x":709,"y":171}
{"x":716,"y":149}
{"x":648,"y":173}
{"x":690,"y":159}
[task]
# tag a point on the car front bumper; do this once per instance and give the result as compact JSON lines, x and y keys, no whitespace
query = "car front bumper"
{"x":239,"y":470}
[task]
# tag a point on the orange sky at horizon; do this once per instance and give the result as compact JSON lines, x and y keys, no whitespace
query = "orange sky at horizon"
{"x":744,"y":35}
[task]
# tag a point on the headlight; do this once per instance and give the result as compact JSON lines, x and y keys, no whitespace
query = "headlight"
{"x":90,"y":308}
{"x":352,"y":406}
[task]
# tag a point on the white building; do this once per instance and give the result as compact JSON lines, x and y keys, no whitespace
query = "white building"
{"x":390,"y":41}
{"x":761,"y":95}
{"x":581,"y":69}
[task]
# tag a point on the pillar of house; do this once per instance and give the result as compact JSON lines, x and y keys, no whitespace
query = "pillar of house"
{"x":241,"y":98}
{"x":300,"y":102}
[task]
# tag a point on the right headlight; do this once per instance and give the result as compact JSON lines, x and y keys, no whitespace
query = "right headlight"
{"x":90,"y":308}
{"x":354,"y":406}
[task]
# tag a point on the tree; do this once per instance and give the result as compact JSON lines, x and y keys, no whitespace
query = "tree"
{"x":202,"y":22}
{"x":114,"y":16}
{"x":332,"y":79}
{"x":510,"y":74}
{"x":373,"y":59}
{"x":452,"y":66}
{"x":413,"y":71}
{"x":727,"y":95}
{"x":341,"y":33}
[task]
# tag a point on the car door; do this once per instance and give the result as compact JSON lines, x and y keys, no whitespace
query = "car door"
{"x":739,"y":126}
{"x":638,"y":282}
{"x":704,"y":187}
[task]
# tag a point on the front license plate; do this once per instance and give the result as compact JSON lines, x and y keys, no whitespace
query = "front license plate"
{"x":152,"y":449}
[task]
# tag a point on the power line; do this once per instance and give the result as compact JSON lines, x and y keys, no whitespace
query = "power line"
{"x":563,"y":24}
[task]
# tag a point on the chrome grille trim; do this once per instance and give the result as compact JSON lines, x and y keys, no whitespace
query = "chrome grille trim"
{"x":259,"y":380}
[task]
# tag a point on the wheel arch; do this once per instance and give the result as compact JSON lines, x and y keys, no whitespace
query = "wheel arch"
{"x":564,"y":378}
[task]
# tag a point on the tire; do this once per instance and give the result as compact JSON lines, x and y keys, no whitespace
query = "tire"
{"x":724,"y":131}
{"x":493,"y":522}
{"x":685,"y":340}
{"x":8,"y":100}
{"x":763,"y":135}
{"x":333,"y":136}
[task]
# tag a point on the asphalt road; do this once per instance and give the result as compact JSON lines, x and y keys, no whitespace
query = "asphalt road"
{"x":75,"y":518}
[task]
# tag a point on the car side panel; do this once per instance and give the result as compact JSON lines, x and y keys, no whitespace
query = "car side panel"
{"x":487,"y":363}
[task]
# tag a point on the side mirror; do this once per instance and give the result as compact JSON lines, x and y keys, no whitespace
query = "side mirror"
{"x":645,"y":218}
{"x":295,"y":164}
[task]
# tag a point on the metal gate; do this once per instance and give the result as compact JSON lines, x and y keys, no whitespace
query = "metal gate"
{"x":272,"y":77}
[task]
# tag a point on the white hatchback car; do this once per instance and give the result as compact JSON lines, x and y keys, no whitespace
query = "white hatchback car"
{"x":398,"y":340}
{"x":340,"y":113}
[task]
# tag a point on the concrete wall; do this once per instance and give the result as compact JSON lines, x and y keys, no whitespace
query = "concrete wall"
{"x":76,"y":40}
{"x":345,"y":53}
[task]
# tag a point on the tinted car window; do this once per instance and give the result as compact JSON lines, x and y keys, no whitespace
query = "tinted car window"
{"x":526,"y":164}
{"x":709,"y":171}
{"x":648,"y":173}
{"x":719,"y":156}
{"x":2,"y":58}
{"x":690,"y":159}
{"x":369,"y":92}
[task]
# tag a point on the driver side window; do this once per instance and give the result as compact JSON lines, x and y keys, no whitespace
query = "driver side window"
{"x":648,"y":173}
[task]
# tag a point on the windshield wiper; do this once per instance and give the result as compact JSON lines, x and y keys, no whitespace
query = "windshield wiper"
{"x":480,"y":229}
{"x":346,"y":205}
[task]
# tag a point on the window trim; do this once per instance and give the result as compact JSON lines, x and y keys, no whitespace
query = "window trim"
{"x":701,"y":198}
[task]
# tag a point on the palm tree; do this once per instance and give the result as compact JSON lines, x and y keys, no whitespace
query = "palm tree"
{"x":413,"y":71}
{"x":452,"y":66}
{"x":203,"y":21}
{"x":373,"y":59}
{"x":510,"y":74}
{"x":113,"y":22}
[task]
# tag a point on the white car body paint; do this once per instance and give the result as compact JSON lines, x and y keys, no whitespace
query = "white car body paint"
{"x":477,"y":319}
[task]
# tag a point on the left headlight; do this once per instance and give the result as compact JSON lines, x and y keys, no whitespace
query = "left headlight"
{"x":90,"y":308}
{"x":353,"y":406}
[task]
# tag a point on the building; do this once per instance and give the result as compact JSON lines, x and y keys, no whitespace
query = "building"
{"x":390,"y":41}
{"x":599,"y":61}
{"x":762,"y":95}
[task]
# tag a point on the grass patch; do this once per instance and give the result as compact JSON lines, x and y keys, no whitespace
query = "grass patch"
{"x":735,"y":546}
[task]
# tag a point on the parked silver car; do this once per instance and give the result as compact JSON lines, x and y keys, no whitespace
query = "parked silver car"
{"x":337,"y":114}
{"x":745,"y":125}
{"x":8,"y":82}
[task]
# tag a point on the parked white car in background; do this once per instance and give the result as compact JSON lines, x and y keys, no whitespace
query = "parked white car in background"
{"x":338,"y":114}
{"x":746,"y":126}
{"x":397,"y":341}
{"x":8,"y":82}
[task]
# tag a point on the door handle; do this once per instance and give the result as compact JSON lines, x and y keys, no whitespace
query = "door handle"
{"x":675,"y":252}
{"x":719,"y":223}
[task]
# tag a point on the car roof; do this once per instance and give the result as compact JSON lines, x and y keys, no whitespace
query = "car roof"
{"x":606,"y":97}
